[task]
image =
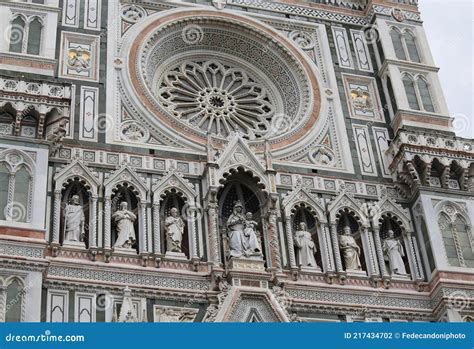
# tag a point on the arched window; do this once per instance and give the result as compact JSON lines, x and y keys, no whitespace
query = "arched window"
{"x":457,"y":239}
{"x":16,"y":186}
{"x":411,"y":92}
{"x":425,"y":95}
{"x":28,"y":126}
{"x":411,"y":47}
{"x":6,"y":123}
{"x":405,"y":46}
{"x":34,"y":37}
{"x":20,"y":200}
{"x":465,"y":243}
{"x":14,"y":301}
{"x":397,"y":44}
{"x":17,"y":32}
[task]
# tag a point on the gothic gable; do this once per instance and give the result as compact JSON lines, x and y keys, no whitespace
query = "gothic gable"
{"x":173,"y":180}
{"x":80,"y":170}
{"x":347,"y":201}
{"x":125,"y":174}
{"x":301,"y":195}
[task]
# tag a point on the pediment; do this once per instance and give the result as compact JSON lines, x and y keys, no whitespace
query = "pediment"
{"x":173,"y":180}
{"x":238,"y":153}
{"x":251,"y":305}
{"x":76,"y":169}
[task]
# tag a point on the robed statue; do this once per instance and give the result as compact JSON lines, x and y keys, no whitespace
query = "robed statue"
{"x":174,"y":226}
{"x":74,"y":221}
{"x":124,"y":219}
{"x":243,"y":241}
{"x":350,"y":250}
{"x":393,"y":253}
{"x":305,"y":247}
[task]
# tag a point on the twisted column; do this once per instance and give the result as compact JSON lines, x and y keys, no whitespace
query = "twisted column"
{"x":291,"y":246}
{"x":56,"y":215}
{"x":93,"y":222}
{"x":107,"y":219}
{"x":335,"y":246}
{"x":156,"y":228}
{"x":379,"y":251}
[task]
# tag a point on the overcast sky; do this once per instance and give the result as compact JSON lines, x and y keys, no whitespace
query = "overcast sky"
{"x":449,"y":27}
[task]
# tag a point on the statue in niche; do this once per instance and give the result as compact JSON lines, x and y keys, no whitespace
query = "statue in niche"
{"x":243,"y":240}
{"x":306,"y":247}
{"x":174,"y":226}
{"x":74,"y":221}
{"x":393,"y":252}
{"x":124,"y":219}
{"x":350,"y":250}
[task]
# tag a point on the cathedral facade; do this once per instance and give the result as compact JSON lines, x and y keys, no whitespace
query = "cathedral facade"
{"x":239,"y":160}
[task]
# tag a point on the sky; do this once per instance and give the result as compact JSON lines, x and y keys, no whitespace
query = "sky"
{"x":449,"y":28}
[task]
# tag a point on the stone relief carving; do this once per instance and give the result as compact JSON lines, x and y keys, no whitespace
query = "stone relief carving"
{"x":303,"y":39}
{"x":322,"y":155}
{"x":132,"y":13}
{"x":134,"y":132}
{"x":174,"y":314}
{"x":79,"y":59}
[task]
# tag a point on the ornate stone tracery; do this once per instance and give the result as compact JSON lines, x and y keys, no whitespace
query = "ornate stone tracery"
{"x":218,"y":98}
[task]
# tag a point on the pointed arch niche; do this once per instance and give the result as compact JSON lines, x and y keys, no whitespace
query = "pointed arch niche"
{"x":76,"y":179}
{"x":300,"y":206}
{"x":172,"y":190}
{"x":391,"y":216}
{"x":345,"y":210}
{"x":124,"y":185}
{"x":242,"y":185}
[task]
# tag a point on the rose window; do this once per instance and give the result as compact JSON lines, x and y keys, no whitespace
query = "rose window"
{"x":194,"y":75}
{"x":217,"y":98}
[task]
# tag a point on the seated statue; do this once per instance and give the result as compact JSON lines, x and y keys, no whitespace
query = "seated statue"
{"x":393,"y":252}
{"x":124,"y":219}
{"x":305,"y":247}
{"x":243,"y":241}
{"x":74,"y":221}
{"x":350,"y":250}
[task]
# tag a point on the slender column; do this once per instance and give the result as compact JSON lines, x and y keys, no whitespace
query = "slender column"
{"x":56,"y":215}
{"x":156,"y":228}
{"x":93,"y":222}
{"x":213,"y":233}
{"x":419,"y":269}
{"x":335,"y":246}
{"x":273,"y":239}
{"x":107,"y":218}
{"x":379,"y":250}
{"x":10,"y":198}
{"x":3,"y":301}
{"x":328,"y":262}
{"x":191,"y":215}
{"x":291,"y":246}
{"x":29,"y":209}
{"x":369,"y":252}
{"x":144,"y":236}
{"x":413,"y":255}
